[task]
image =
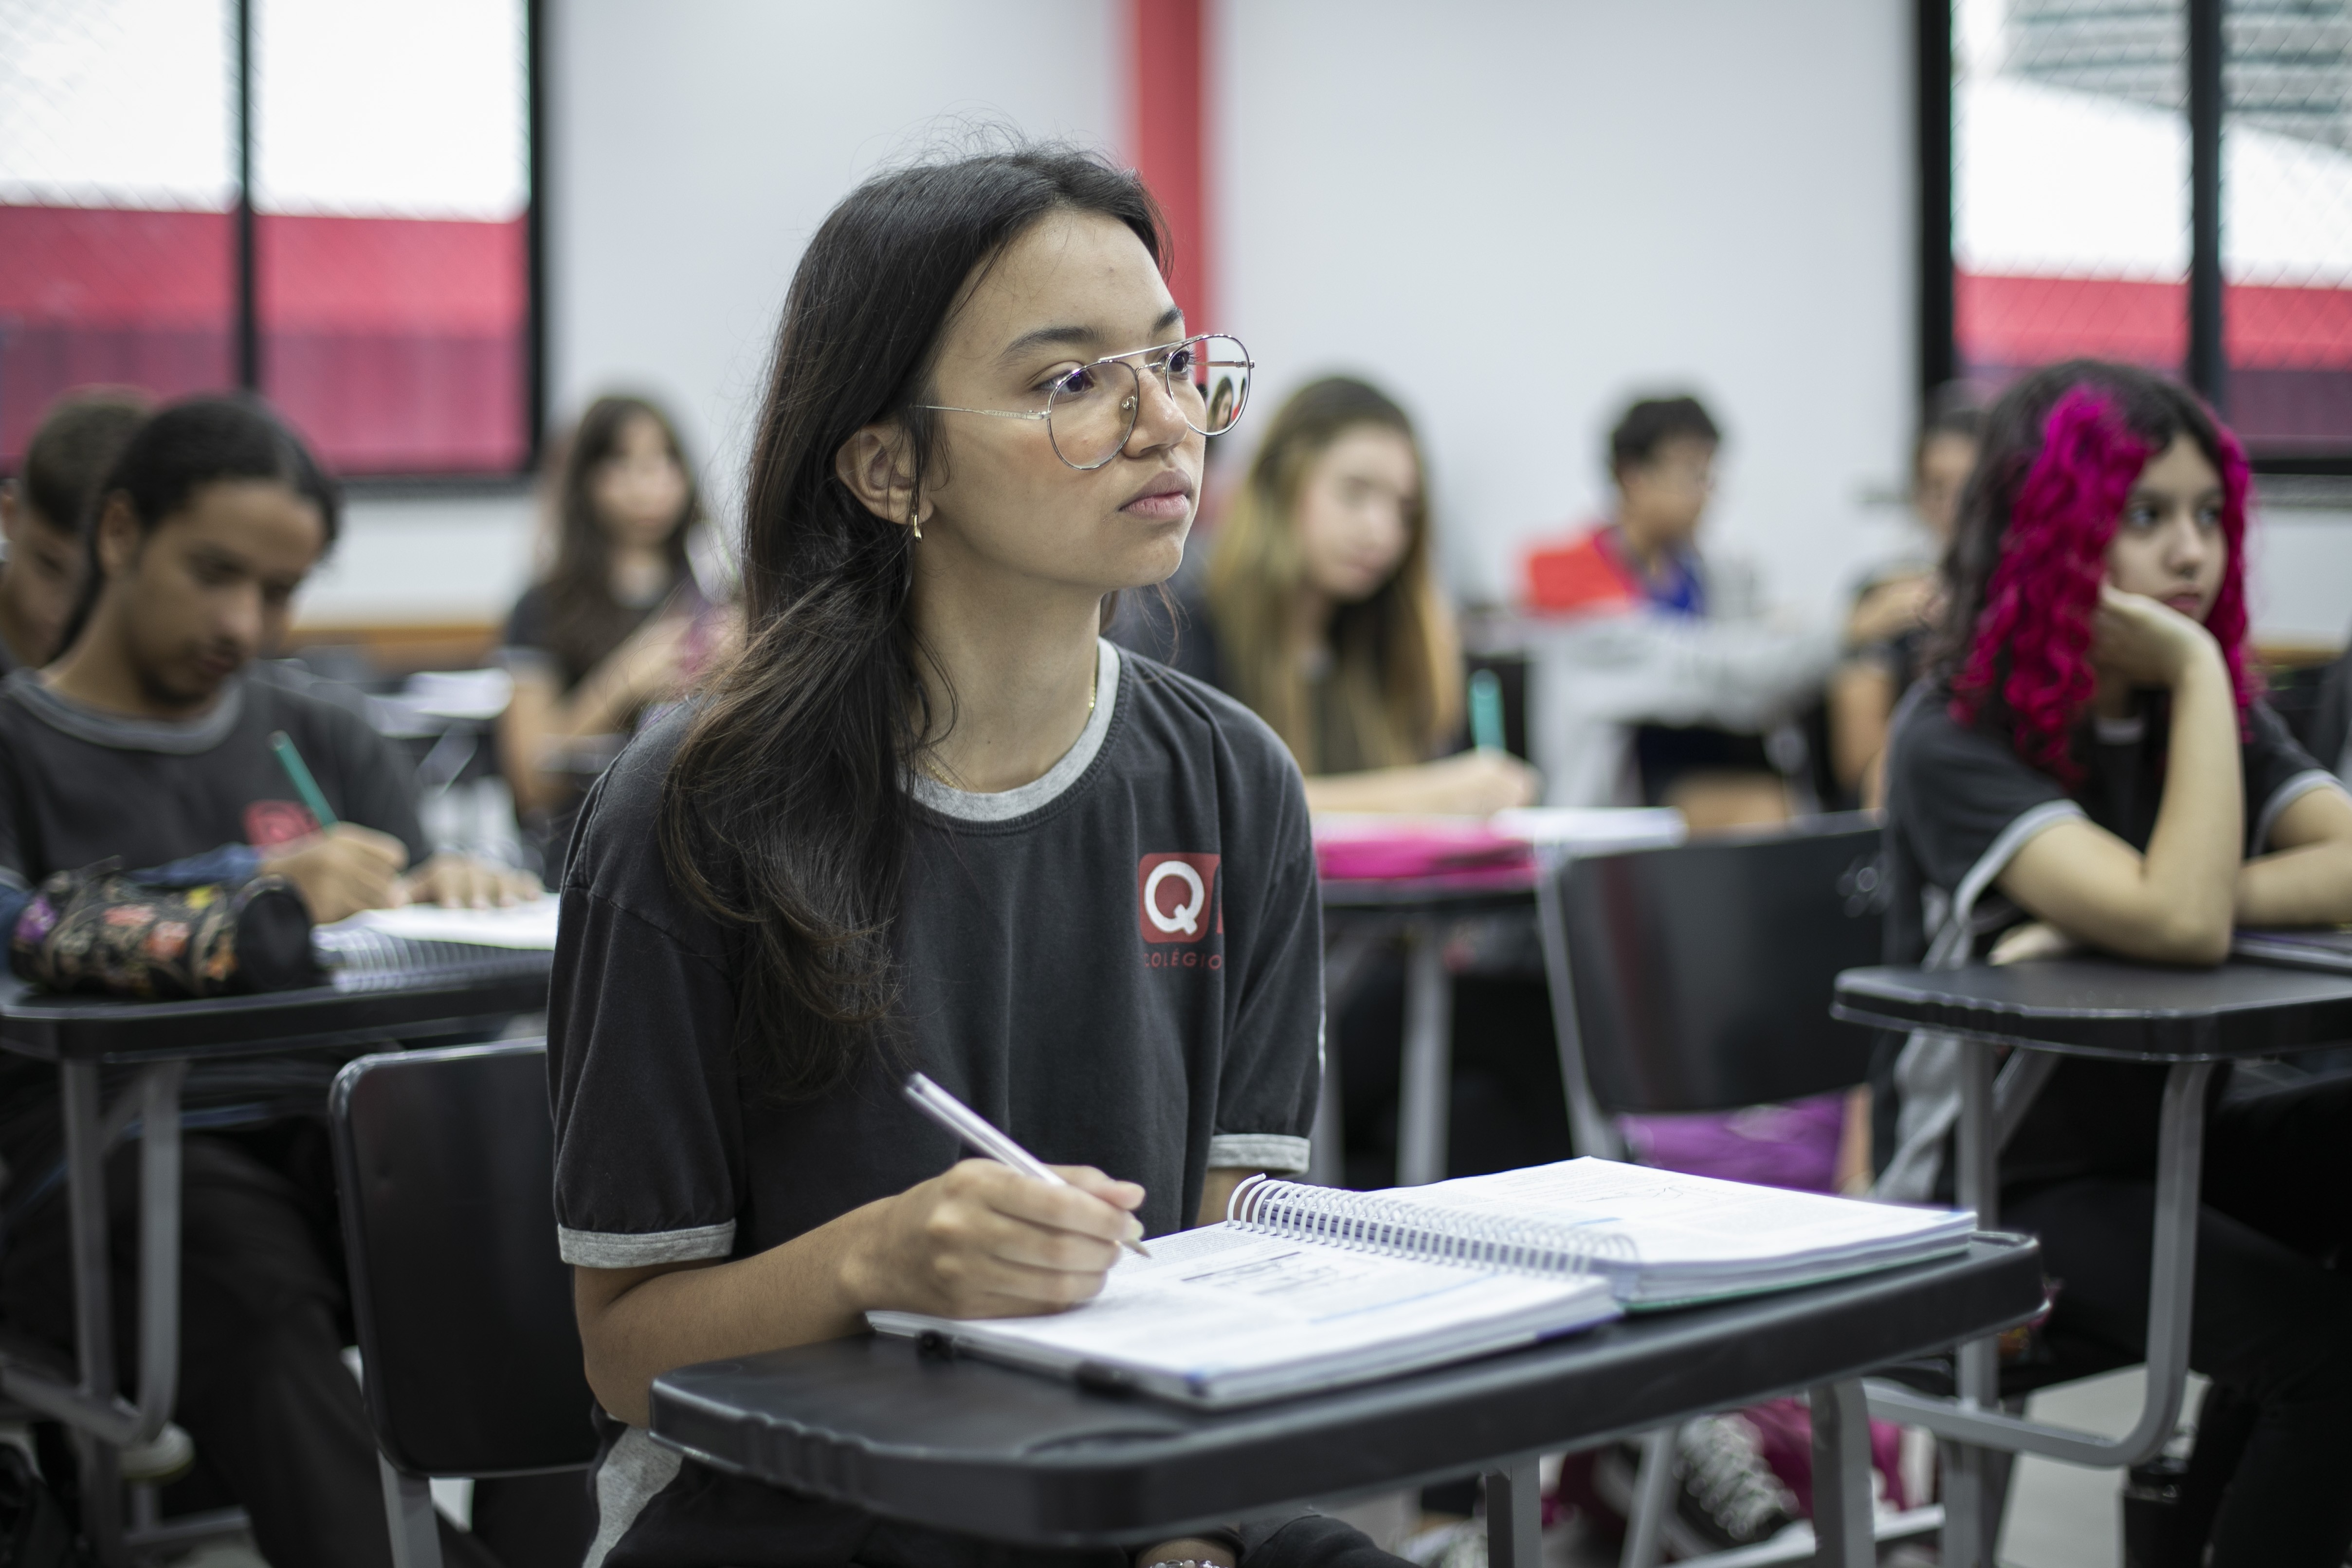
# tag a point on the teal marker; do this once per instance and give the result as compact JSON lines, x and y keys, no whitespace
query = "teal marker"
{"x":1485,"y":710}
{"x":304,"y":785}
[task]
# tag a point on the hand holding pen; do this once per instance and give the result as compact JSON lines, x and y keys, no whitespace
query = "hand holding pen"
{"x":975,"y":1129}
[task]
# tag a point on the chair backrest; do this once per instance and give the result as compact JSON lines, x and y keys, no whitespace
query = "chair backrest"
{"x":1703,"y":973}
{"x":468,"y":1349}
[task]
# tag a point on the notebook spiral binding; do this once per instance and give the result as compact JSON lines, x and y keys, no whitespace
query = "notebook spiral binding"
{"x":361,"y":960}
{"x":1372,"y":1223}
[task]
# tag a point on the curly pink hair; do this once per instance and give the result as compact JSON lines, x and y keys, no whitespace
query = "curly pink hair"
{"x":2032,"y":640}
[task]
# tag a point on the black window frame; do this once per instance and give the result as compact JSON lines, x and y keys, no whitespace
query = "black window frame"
{"x":2207,"y":366}
{"x":247,"y":327}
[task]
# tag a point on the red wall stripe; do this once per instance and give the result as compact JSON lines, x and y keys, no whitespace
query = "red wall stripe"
{"x":1168,"y":69}
{"x":2032,"y":321}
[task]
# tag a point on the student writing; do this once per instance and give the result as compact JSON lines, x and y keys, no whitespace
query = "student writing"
{"x":1320,"y":610}
{"x":42,"y":515}
{"x":147,"y":739}
{"x":929,"y":819}
{"x":2090,"y":762}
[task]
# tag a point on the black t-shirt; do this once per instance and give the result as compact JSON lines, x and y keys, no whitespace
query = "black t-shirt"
{"x":1119,"y":964}
{"x":1960,"y":803}
{"x":77,"y":786}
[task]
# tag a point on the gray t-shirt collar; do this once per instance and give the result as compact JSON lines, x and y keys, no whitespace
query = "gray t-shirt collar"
{"x":1003,"y":806}
{"x":175,"y":737}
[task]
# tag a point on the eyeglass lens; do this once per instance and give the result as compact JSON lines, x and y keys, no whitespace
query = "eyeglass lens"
{"x":1093,"y":409}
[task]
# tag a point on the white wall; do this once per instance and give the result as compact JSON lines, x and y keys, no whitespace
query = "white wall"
{"x":1517,"y":216}
{"x":697,"y":147}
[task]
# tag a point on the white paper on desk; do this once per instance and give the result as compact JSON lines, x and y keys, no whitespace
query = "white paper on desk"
{"x":1594,"y":830}
{"x":530,"y":925}
{"x":1222,"y":1315}
{"x":1694,"y":1237}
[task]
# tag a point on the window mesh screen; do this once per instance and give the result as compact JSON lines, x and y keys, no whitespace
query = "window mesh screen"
{"x":2286,"y":224}
{"x":2070,"y":184}
{"x":117,"y":159}
{"x":390,"y":184}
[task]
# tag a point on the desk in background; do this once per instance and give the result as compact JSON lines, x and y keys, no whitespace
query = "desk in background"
{"x":152,"y":1044}
{"x":1360,"y":914}
{"x":2113,"y":1010}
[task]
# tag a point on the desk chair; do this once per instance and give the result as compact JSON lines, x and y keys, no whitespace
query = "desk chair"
{"x":468,"y":1349}
{"x":1699,"y":978}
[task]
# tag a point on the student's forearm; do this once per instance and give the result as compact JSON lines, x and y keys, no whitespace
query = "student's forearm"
{"x":794,"y":1294}
{"x":2304,"y":887}
{"x":1860,"y":697}
{"x":2173,"y":903}
{"x":1217,"y":1192}
{"x":2193,"y":854}
{"x":1375,"y":789}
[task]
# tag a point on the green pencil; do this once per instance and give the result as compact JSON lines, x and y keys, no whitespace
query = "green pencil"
{"x":304,"y":785}
{"x":1485,"y":710}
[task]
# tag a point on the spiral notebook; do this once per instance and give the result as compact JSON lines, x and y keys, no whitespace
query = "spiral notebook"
{"x":381,"y":949}
{"x":1303,"y":1288}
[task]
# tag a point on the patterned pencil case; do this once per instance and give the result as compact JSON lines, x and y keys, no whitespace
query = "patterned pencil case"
{"x":99,"y":929}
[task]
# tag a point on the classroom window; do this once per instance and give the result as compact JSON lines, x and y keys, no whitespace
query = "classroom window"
{"x":383,"y":301}
{"x":2070,"y":184}
{"x":2286,"y":225}
{"x":2074,"y":132}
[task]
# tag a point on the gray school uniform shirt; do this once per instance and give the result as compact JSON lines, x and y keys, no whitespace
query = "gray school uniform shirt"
{"x":1960,"y":803}
{"x":1119,"y":964}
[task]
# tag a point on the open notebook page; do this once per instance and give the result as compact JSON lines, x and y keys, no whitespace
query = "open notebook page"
{"x":1697,"y":1227}
{"x":530,"y":924}
{"x":1224,"y":1313}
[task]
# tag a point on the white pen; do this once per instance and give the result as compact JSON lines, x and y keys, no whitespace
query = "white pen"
{"x":972,"y":1127}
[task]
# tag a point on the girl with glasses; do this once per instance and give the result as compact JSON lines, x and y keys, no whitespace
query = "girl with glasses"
{"x":1321,"y":609}
{"x":928,"y":820}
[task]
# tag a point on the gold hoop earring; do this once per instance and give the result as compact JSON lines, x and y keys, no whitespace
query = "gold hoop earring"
{"x":918,"y":526}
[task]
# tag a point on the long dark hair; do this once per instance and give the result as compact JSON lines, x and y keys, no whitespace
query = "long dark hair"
{"x":2062,"y":450}
{"x":1397,"y":661}
{"x":784,"y":811}
{"x":585,"y":622}
{"x":184,"y":447}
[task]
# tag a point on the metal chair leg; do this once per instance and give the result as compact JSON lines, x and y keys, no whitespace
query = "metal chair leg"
{"x":1842,"y":1515}
{"x":1654,"y":1498}
{"x":408,"y":1512}
{"x":1424,"y":1105}
{"x":1514,"y":1515}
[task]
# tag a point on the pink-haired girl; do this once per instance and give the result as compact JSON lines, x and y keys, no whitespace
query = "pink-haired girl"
{"x":2090,"y":763}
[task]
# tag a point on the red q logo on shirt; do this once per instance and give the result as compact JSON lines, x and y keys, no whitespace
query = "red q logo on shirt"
{"x":1175,"y":894}
{"x":269,"y":823}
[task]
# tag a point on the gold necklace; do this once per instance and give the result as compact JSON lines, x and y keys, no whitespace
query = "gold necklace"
{"x":923,"y":758}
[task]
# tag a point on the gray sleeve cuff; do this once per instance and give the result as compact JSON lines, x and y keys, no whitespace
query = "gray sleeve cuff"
{"x":2287,"y":795}
{"x":1257,"y":1151}
{"x":623,"y":1250}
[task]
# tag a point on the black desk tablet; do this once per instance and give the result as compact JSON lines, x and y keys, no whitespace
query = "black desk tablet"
{"x":79,"y":1028}
{"x":2109,"y":1009}
{"x":155,"y":1041}
{"x":2189,"y":1019}
{"x":968,"y":1445}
